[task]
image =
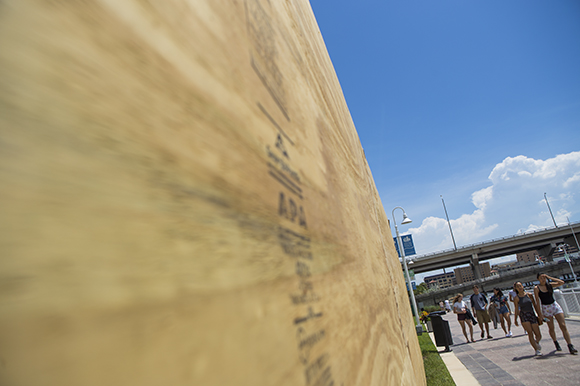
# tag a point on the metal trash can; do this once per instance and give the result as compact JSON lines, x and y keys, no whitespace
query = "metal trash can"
{"x":429,"y":326}
{"x":441,"y":330}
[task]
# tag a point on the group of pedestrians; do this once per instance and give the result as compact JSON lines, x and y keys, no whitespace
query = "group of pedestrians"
{"x":531,"y":309}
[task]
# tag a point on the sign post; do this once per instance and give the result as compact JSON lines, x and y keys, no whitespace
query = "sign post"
{"x":408,"y":245}
{"x":409,"y":249}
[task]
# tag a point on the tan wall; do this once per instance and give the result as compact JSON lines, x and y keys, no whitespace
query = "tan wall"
{"x":185,"y":201}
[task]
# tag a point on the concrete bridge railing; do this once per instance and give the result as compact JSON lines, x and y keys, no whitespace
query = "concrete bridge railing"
{"x":527,"y":275}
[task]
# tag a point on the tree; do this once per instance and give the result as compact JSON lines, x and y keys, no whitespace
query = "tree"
{"x":421,"y":288}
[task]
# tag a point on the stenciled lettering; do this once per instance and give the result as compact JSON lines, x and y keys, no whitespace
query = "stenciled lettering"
{"x":288,"y":209}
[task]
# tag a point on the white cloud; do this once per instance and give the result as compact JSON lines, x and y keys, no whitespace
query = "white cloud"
{"x":574,"y":179}
{"x":481,"y":197}
{"x":513,"y":203}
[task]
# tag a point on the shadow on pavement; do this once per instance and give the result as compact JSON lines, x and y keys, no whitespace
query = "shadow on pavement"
{"x":515,"y":359}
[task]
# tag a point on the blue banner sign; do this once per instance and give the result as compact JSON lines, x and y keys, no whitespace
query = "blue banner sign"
{"x":407,"y":244}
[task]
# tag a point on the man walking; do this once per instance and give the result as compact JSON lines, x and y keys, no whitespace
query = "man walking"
{"x":479,"y":307}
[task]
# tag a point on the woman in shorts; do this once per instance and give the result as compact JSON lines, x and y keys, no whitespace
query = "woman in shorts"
{"x":524,"y":304}
{"x":503,"y":309}
{"x":460,"y":308}
{"x":550,"y":309}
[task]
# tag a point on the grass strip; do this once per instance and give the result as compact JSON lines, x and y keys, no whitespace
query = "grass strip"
{"x":435,"y":370}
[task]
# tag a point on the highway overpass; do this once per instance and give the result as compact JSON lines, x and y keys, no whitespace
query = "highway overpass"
{"x":545,"y":241}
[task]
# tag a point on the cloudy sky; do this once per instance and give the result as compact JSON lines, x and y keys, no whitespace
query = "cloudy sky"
{"x":477,"y":101}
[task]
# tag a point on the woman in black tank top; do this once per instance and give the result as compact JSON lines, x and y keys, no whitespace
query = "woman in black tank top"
{"x":550,"y":309}
{"x":524,"y":304}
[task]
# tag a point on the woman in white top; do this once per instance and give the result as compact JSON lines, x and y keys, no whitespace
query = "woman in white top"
{"x":460,"y":308}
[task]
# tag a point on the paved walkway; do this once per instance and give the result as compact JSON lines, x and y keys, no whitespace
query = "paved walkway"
{"x":511,"y":361}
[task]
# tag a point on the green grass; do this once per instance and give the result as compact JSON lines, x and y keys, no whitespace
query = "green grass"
{"x":435,"y":370}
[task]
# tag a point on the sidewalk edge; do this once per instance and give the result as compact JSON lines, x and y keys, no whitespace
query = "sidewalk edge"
{"x":461,"y":376}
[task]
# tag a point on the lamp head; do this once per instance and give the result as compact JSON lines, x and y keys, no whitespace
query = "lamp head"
{"x":406,"y":220}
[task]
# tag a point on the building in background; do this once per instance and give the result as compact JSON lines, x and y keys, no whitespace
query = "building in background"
{"x":560,"y":253}
{"x":465,"y":274}
{"x":528,"y":257}
{"x":442,"y":280}
{"x":504,"y":267}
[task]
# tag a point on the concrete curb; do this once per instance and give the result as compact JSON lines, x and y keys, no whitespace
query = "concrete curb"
{"x":461,"y":376}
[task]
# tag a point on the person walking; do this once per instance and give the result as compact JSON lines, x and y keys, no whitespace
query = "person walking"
{"x":502,"y":307}
{"x":524,"y":304}
{"x":479,"y":306}
{"x":460,"y":308}
{"x":447,"y":306}
{"x":550,"y":309}
{"x":512,"y":295}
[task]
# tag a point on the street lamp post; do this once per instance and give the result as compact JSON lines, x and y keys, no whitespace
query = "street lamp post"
{"x":563,"y":246}
{"x":573,"y":234}
{"x":407,"y":220}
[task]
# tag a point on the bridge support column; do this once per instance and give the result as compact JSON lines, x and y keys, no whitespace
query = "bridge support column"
{"x":548,"y":250}
{"x":474,"y":263}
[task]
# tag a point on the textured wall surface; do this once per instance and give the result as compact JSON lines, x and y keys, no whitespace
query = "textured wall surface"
{"x":185,"y":201}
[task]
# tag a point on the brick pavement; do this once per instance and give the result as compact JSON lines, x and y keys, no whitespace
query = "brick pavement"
{"x":511,"y":361}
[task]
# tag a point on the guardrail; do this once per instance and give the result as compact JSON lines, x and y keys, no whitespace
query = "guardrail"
{"x":513,"y":274}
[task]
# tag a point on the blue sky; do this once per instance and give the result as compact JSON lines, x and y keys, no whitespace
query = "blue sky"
{"x":478,"y":101}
